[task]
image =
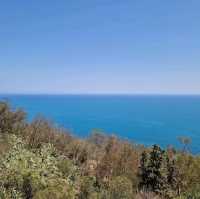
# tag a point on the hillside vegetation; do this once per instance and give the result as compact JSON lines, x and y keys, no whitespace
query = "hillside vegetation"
{"x":41,"y":161}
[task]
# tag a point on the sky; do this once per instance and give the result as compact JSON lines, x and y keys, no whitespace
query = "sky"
{"x":100,"y":46}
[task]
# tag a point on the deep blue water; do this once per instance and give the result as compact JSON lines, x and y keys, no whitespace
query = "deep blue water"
{"x":143,"y":119}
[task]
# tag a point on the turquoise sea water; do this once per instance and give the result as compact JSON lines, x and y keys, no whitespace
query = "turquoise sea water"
{"x":143,"y":119}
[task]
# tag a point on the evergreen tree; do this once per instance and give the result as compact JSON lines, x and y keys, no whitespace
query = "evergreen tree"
{"x":150,"y":170}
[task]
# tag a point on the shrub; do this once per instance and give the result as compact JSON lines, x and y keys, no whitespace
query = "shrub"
{"x":88,"y":188}
{"x":11,"y":121}
{"x":28,"y":172}
{"x":120,"y":188}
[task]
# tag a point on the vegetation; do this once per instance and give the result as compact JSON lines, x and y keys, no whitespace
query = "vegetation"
{"x":41,"y":161}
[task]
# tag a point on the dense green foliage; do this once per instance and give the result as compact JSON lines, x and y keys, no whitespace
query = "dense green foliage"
{"x":41,"y":161}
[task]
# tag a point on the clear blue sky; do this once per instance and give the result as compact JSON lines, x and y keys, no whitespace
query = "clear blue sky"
{"x":100,"y":46}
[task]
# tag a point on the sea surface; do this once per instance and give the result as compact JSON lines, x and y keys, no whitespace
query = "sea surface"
{"x":144,"y":119}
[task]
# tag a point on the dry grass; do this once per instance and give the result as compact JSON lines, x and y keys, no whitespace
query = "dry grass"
{"x":147,"y":195}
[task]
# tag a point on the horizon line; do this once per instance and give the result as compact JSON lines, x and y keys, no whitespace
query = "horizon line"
{"x":109,"y":94}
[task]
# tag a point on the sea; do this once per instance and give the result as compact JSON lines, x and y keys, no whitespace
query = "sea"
{"x":142,"y":119}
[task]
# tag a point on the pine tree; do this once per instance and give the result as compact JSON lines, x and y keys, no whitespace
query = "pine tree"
{"x":150,"y":170}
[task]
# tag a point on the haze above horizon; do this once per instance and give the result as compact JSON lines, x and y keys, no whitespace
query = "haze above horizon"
{"x":100,"y":47}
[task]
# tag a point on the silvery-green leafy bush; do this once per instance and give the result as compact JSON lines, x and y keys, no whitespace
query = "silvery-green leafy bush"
{"x":28,"y":171}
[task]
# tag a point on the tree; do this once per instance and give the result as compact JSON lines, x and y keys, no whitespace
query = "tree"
{"x":11,"y":121}
{"x":151,"y":178}
{"x":185,"y":141}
